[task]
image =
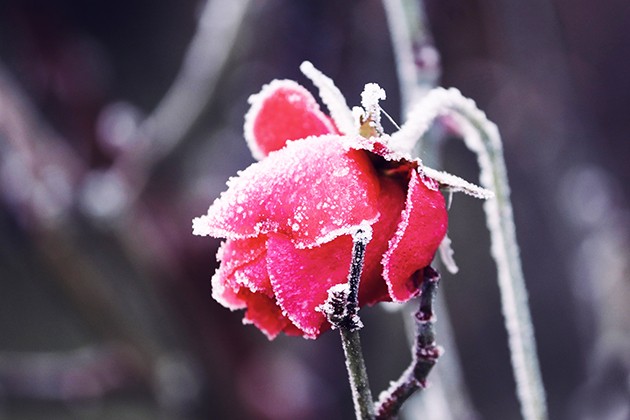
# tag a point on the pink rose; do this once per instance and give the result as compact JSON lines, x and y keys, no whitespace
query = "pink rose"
{"x":288,"y":218}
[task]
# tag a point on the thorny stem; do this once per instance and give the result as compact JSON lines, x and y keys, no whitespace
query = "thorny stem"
{"x":341,"y":310}
{"x":425,"y":352}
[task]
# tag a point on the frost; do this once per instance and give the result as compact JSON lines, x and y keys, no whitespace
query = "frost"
{"x":286,"y":187}
{"x":363,"y":234}
{"x":371,"y":95}
{"x":343,"y":171}
{"x":332,"y":98}
{"x":201,"y":226}
{"x":334,"y":307}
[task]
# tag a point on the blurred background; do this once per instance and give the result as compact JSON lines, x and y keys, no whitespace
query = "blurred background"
{"x":121,"y":120}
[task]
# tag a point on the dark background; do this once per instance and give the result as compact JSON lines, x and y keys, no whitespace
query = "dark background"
{"x":105,"y":308}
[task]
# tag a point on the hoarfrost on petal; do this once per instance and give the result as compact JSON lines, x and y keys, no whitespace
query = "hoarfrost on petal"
{"x":235,"y":254}
{"x":263,"y":312}
{"x":391,"y":203}
{"x":201,"y":226}
{"x":254,"y":276}
{"x":224,"y":294}
{"x":274,"y":200}
{"x":301,"y":278}
{"x":421,"y":229}
{"x":283,"y":110}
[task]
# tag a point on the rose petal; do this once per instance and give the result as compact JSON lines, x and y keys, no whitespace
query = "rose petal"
{"x":301,"y":278}
{"x":243,"y":262}
{"x":225,"y":294}
{"x":312,"y":191}
{"x":283,"y":110}
{"x":239,"y":252}
{"x":421,"y":229}
{"x":391,"y":203}
{"x":265,"y":314}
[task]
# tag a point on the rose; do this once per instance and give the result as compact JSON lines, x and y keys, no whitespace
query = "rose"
{"x":288,"y":219}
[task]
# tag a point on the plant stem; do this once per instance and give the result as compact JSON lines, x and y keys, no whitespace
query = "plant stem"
{"x":341,"y":309}
{"x":425,"y":352}
{"x":500,"y":219}
{"x":349,"y":331}
{"x":361,"y":394}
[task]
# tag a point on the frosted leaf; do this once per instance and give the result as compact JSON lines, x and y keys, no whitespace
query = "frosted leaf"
{"x":457,"y":184}
{"x":332,"y":98}
{"x":446,"y":255}
{"x":295,"y":184}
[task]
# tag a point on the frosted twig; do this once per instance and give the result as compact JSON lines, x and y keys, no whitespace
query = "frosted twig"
{"x":482,"y":137}
{"x":341,"y":310}
{"x":424,"y":356}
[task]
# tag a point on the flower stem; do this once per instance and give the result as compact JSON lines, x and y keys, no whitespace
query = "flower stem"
{"x":425,"y":352}
{"x":341,"y":309}
{"x":361,"y":394}
{"x":349,"y":331}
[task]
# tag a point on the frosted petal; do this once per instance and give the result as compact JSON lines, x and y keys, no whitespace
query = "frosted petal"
{"x":301,"y":278}
{"x":421,"y":229}
{"x":282,"y":111}
{"x":391,"y":203}
{"x":225,"y":294}
{"x":244,"y":265}
{"x":237,"y":253}
{"x":313,"y":190}
{"x":263,"y":312}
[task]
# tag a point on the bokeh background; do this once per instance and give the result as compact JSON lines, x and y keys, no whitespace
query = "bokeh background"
{"x":121,"y":120}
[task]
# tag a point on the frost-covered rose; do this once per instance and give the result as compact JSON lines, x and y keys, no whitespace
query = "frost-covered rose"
{"x":287,"y":220}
